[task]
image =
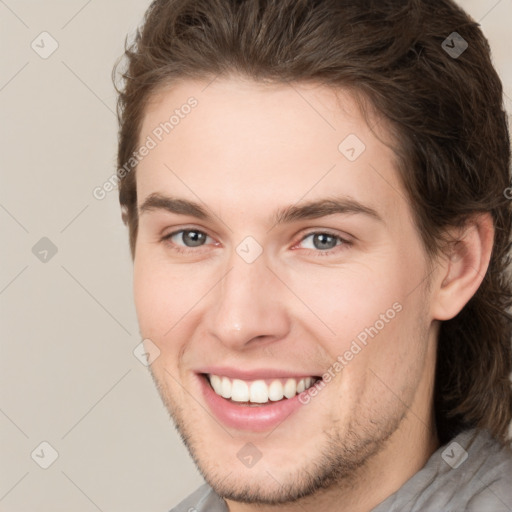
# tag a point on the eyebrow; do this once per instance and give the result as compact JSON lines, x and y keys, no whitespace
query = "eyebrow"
{"x":180,"y":206}
{"x":309,"y":210}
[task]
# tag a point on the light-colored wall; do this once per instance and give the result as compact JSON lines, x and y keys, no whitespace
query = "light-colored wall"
{"x":68,"y":374}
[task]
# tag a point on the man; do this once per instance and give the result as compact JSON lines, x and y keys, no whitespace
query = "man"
{"x":315,"y":196}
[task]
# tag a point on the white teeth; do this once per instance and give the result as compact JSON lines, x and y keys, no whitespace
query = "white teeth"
{"x":275,"y":391}
{"x":216,"y":383}
{"x":239,"y":391}
{"x":290,"y":388}
{"x":258,"y":391}
{"x":226,"y":388}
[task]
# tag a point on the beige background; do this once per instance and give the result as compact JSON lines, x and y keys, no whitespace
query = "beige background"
{"x":69,"y":375}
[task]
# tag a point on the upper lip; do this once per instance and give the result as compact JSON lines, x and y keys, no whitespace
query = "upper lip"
{"x":254,"y":374}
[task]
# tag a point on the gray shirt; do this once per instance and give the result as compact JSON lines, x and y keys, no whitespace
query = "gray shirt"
{"x":472,"y":473}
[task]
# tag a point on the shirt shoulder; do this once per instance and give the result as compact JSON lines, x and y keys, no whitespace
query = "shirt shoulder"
{"x":203,"y":499}
{"x":473,"y":472}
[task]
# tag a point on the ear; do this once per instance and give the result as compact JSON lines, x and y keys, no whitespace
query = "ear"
{"x":463,"y":268}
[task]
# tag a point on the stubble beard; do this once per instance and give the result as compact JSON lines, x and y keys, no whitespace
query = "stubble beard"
{"x":339,"y":464}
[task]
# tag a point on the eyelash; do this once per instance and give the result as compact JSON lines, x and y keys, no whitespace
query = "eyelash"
{"x":344,"y":243}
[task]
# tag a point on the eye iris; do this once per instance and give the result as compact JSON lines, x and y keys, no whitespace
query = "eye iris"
{"x":193,"y":238}
{"x":324,"y":241}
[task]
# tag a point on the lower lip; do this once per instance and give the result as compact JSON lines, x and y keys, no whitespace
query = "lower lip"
{"x":246,"y":417}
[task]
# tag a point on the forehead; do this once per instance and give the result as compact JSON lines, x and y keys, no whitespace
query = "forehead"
{"x":250,"y":145}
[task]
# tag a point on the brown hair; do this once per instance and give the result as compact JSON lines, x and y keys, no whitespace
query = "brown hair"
{"x":445,"y":111}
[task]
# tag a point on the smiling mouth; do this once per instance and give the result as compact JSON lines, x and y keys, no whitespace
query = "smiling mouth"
{"x":258,"y":392}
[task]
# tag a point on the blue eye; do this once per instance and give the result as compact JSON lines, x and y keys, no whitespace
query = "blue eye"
{"x":187,"y":237}
{"x":323,"y":242}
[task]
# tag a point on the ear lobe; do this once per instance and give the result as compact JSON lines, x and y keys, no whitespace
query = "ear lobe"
{"x":462,"y":271}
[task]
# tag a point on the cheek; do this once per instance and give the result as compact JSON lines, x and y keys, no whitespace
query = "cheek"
{"x":149,"y":296}
{"x":348,"y":302}
{"x":396,"y":350}
{"x":167,"y":297}
{"x":159,"y":298}
{"x":157,"y":312}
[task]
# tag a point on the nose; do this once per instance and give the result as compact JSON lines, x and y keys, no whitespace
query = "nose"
{"x":248,"y":306}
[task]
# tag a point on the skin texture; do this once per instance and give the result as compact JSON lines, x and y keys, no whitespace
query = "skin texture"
{"x":244,"y":152}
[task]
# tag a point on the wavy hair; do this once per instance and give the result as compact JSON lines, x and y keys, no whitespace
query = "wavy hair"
{"x":444,"y":110}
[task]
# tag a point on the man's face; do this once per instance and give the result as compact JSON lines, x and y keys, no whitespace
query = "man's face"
{"x":260,"y":289}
